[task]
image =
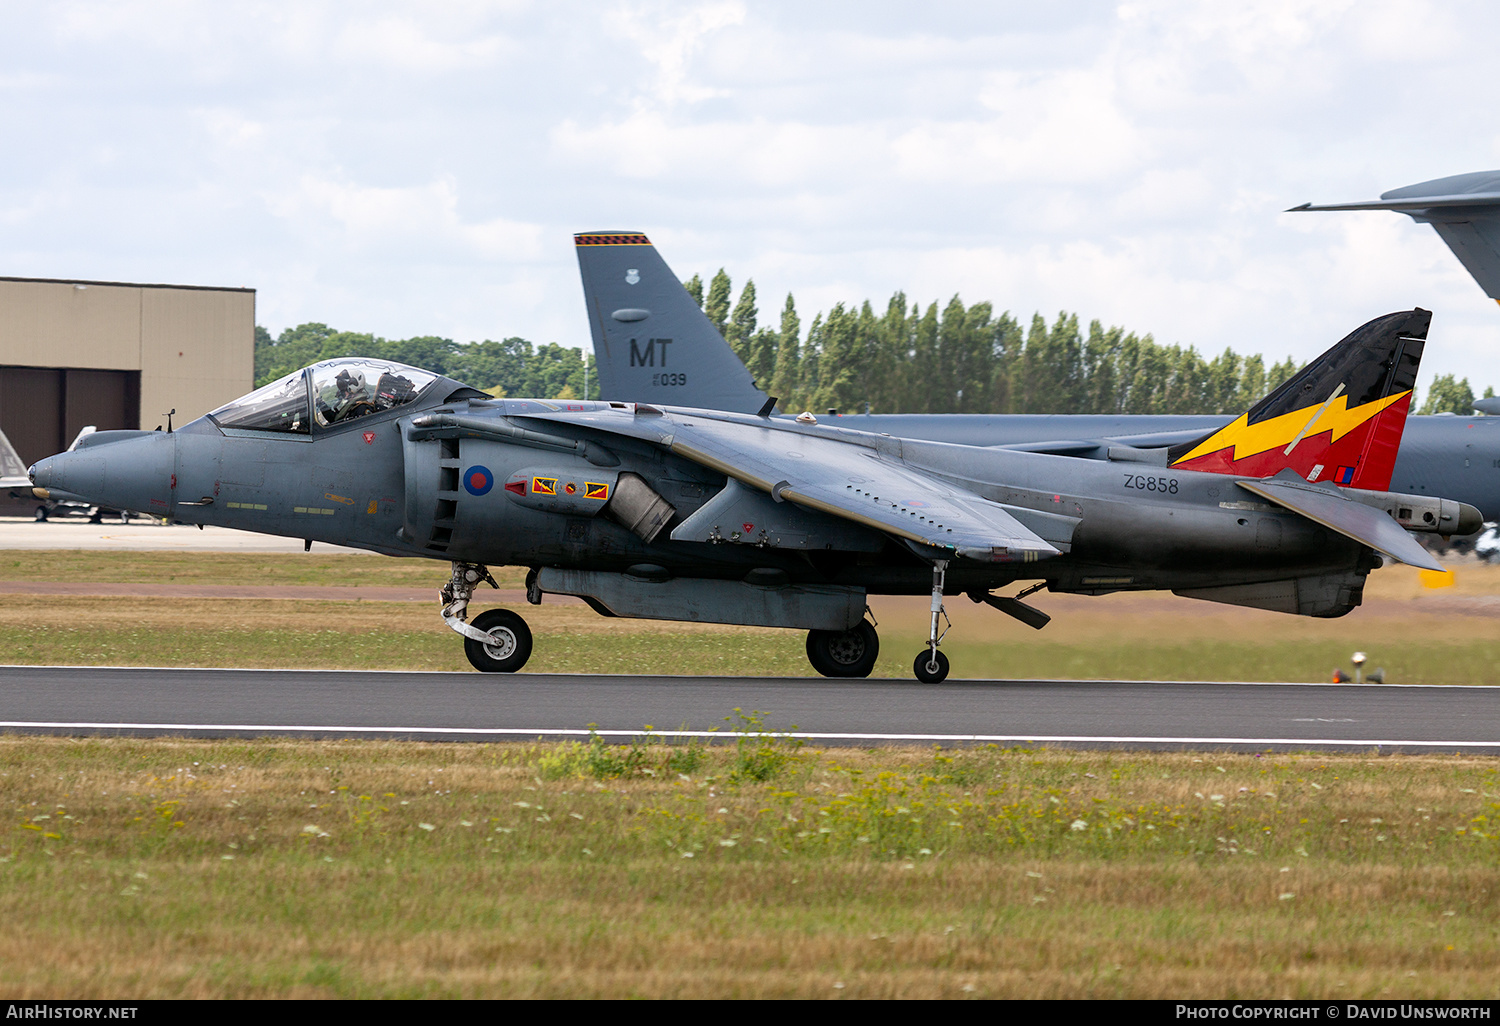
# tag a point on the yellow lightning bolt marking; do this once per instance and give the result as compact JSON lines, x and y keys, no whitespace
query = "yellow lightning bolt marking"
{"x":1250,"y":439}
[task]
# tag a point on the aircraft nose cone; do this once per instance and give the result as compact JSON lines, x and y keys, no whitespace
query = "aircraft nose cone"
{"x":40,"y":473}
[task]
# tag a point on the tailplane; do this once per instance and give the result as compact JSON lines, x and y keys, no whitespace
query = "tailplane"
{"x":651,"y":341}
{"x":1339,"y":419}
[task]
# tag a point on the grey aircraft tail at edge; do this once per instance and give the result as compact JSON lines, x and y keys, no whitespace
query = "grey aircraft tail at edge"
{"x":1463,"y":209}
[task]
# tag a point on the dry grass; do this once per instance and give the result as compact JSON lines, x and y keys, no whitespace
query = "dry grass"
{"x":364,"y":869}
{"x":1418,"y":635}
{"x":326,"y":570}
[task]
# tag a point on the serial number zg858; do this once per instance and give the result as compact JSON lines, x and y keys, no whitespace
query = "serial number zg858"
{"x":1142,"y":482}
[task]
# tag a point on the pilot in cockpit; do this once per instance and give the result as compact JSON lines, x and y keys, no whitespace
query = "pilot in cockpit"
{"x":352,"y":399}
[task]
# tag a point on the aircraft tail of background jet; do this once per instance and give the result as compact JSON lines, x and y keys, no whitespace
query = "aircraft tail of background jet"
{"x":1339,"y":419}
{"x":652,"y":343}
{"x":12,"y":470}
{"x":1463,"y":209}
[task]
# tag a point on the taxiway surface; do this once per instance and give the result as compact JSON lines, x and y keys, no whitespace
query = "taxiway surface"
{"x":481,"y":707}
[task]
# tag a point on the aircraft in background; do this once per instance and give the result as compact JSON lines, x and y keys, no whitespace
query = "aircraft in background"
{"x":12,"y":470}
{"x":1463,"y":209}
{"x":698,"y":515}
{"x":652,"y":343}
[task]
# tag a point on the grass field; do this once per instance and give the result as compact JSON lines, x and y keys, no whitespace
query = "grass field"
{"x":1419,"y":635}
{"x":257,"y":869}
{"x":172,"y":868}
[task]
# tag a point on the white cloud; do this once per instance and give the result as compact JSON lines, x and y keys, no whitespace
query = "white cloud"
{"x":409,"y":168}
{"x":422,"y":220}
{"x":669,"y":40}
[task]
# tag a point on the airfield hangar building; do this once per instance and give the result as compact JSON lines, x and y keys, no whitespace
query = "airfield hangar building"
{"x":116,"y":355}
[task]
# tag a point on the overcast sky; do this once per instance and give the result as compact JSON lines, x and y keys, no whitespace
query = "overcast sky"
{"x":419,"y":169}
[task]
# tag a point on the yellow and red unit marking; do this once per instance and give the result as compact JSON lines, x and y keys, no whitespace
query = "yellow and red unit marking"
{"x":595,"y":490}
{"x":1322,"y":441}
{"x":544,"y":486}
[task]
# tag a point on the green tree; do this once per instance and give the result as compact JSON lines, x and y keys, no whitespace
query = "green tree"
{"x":717,"y":305}
{"x":694,"y":286}
{"x":1448,"y":395}
{"x":812,"y":363}
{"x":763,"y":349}
{"x":741,"y":325}
{"x":838,"y":387}
{"x":786,"y":381}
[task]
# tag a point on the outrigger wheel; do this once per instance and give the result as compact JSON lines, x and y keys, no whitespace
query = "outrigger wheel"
{"x":850,"y":653}
{"x":931,"y":666}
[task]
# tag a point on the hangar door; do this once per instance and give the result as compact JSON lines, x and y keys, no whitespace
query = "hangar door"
{"x":42,"y":409}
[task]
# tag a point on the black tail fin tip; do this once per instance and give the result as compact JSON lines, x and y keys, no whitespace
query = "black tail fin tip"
{"x":652,"y":343}
{"x":1378,"y":359}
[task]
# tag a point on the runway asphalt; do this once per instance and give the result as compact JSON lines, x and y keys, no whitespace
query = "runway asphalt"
{"x":483,"y":707}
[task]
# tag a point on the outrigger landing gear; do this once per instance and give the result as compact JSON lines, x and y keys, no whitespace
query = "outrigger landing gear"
{"x":498,"y":641}
{"x":931,"y":666}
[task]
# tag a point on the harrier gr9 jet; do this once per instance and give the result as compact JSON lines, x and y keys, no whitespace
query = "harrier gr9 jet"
{"x":684,"y":514}
{"x":653,"y":344}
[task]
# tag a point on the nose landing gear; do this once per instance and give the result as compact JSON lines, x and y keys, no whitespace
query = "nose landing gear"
{"x":498,"y":641}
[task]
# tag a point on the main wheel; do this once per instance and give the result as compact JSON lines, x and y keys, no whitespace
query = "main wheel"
{"x":850,"y":653}
{"x":931,"y":667}
{"x":513,"y":645}
{"x":41,"y":514}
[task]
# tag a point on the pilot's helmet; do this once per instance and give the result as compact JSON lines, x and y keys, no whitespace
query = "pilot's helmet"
{"x":347,"y":382}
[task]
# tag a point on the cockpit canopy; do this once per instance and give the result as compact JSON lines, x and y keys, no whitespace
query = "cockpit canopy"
{"x":329,"y":393}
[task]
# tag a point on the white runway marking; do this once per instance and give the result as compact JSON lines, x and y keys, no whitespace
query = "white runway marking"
{"x":281,"y":729}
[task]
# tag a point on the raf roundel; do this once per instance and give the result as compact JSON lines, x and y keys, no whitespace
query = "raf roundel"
{"x":478,"y":480}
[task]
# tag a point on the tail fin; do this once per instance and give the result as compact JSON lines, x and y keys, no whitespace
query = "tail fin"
{"x":12,"y":470}
{"x":1463,"y":209}
{"x":651,"y":341}
{"x":1338,"y":419}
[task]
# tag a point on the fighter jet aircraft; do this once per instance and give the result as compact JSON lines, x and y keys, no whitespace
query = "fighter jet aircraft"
{"x":653,"y":344}
{"x":687,"y":514}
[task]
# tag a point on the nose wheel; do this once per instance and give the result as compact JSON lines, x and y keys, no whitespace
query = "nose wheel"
{"x":498,"y":641}
{"x":510,"y":648}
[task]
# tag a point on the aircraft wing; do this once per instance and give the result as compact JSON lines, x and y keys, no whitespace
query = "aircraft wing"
{"x":833,"y":475}
{"x":1365,"y":524}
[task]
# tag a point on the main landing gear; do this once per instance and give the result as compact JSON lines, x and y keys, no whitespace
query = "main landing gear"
{"x":498,"y":641}
{"x":850,"y":653}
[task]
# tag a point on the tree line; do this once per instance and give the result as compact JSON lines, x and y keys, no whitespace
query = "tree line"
{"x":510,"y":367}
{"x":902,"y":359}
